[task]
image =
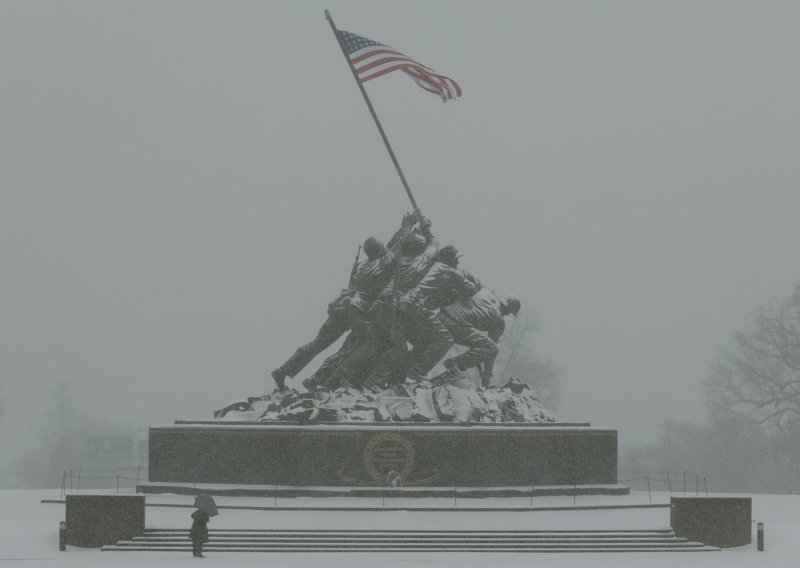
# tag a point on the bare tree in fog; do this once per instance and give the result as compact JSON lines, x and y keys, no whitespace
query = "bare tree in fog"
{"x":59,"y":447}
{"x":519,"y":358}
{"x":757,"y":376}
{"x":728,"y":453}
{"x":750,"y":441}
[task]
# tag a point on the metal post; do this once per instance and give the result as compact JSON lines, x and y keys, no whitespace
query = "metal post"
{"x":650,"y":495}
{"x":705,"y":484}
{"x":669,"y":484}
{"x":760,"y":536}
{"x":575,"y":495}
{"x":62,"y":536}
{"x":372,"y":111}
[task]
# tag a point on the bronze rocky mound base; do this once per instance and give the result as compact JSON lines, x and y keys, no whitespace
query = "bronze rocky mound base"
{"x":451,"y":401}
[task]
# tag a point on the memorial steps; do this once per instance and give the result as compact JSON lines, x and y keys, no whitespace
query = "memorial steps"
{"x":349,"y":541}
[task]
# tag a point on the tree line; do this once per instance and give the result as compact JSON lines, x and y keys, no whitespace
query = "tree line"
{"x":749,"y":441}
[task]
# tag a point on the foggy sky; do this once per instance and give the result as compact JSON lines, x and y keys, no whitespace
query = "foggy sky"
{"x":183,"y":186}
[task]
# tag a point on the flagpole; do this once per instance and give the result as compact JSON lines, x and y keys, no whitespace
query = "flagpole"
{"x":372,"y":111}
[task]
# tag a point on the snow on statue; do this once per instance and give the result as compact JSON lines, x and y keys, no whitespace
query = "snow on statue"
{"x":405,"y":307}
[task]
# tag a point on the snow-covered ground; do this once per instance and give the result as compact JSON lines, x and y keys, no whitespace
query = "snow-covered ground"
{"x":29,"y":531}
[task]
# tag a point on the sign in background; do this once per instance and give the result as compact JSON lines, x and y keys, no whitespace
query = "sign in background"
{"x":110,"y":448}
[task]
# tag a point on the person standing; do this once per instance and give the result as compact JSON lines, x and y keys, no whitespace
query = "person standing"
{"x":199,"y":532}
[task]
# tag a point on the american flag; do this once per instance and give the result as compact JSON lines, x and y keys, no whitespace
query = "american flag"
{"x":372,"y":59}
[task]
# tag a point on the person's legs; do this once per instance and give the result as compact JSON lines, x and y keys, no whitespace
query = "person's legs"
{"x":481,"y":347}
{"x":362,"y":358}
{"x":322,"y":376}
{"x":389,"y":347}
{"x":431,"y":341}
{"x":331,"y":330}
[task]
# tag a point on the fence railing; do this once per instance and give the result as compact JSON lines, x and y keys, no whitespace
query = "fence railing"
{"x":684,"y":482}
{"x":71,"y":479}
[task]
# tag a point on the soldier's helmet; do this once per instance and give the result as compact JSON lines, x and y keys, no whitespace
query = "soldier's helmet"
{"x":512,"y":304}
{"x":414,"y":244}
{"x":449,"y":255}
{"x":373,"y":247}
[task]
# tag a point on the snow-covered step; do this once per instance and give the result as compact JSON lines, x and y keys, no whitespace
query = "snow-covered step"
{"x":697,"y":548}
{"x":254,"y":540}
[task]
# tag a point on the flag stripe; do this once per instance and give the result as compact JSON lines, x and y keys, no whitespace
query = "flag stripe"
{"x":373,"y":52}
{"x":370,"y":53}
{"x":371,"y":60}
{"x":382,"y":61}
{"x":443,"y":83}
{"x":425,"y":79}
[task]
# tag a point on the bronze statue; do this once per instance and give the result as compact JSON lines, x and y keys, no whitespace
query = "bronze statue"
{"x":477,"y":323}
{"x":418,"y":326}
{"x":346,"y":311}
{"x":443,"y":284}
{"x":392,"y":301}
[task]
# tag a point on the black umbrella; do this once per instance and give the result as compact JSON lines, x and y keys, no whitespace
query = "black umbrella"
{"x":206,"y":503}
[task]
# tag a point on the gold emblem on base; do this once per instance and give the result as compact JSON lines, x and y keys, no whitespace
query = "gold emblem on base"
{"x":388,"y":460}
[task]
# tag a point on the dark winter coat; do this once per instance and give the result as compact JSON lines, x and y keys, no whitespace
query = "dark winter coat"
{"x":199,"y":530}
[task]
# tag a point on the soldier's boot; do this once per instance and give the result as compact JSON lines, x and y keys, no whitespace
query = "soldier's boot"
{"x":453,"y":368}
{"x":310,"y":383}
{"x":374,"y":384}
{"x":279,"y":376}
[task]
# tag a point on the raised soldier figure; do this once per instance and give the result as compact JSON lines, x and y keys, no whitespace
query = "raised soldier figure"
{"x":443,"y":284}
{"x":418,"y":325}
{"x":477,"y":323}
{"x":347,"y":365}
{"x":348,"y":310}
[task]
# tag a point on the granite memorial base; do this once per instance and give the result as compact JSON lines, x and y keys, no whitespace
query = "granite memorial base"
{"x":380,"y":455}
{"x":717,"y":521}
{"x":96,"y":520}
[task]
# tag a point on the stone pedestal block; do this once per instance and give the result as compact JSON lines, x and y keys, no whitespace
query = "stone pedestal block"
{"x":376,"y":455}
{"x":717,"y":521}
{"x":97,"y":520}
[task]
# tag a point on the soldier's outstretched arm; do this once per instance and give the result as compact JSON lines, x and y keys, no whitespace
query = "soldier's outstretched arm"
{"x":431,"y":252}
{"x":465,"y":283}
{"x":472,"y":279}
{"x":409,"y":220}
{"x":496,"y":330}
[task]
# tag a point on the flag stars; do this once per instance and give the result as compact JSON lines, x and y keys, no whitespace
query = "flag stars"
{"x":353,"y":42}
